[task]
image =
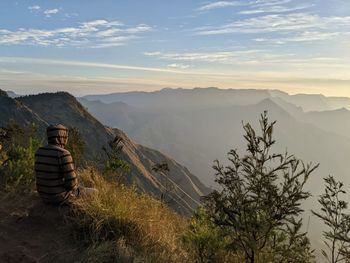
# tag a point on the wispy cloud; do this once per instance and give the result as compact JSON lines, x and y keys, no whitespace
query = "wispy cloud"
{"x":49,"y":12}
{"x":307,"y":36}
{"x":46,"y":12}
{"x":80,"y":84}
{"x":91,"y":34}
{"x":178,"y":66}
{"x":21,"y":60}
{"x":256,"y":6}
{"x":279,"y":23}
{"x":255,"y":58}
{"x":34,"y":8}
{"x":259,"y":9}
{"x":226,"y":57}
{"x":219,"y":4}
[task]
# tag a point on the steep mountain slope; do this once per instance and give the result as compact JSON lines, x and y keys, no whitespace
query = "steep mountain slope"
{"x":188,"y":188}
{"x":11,"y":109}
{"x":63,"y":108}
{"x":127,"y":115}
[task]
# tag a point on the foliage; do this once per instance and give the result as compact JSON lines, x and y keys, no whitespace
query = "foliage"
{"x":204,"y":240}
{"x":118,"y":213}
{"x":333,"y":214}
{"x":167,"y":186}
{"x":3,"y":93}
{"x":18,"y":156}
{"x":290,"y":245}
{"x":76,"y":146}
{"x":115,"y":166}
{"x":261,"y":192}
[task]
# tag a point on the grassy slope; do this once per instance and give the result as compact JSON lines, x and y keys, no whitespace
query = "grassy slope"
{"x":116,"y":225}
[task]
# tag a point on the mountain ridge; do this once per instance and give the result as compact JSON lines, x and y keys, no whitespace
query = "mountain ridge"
{"x":63,"y":108}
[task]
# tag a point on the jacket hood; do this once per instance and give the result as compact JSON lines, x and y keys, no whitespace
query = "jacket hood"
{"x":57,"y":135}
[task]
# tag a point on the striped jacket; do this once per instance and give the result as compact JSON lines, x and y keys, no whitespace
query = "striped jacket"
{"x":54,"y":168}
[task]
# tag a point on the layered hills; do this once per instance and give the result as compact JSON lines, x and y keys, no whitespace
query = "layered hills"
{"x":51,"y":108}
{"x":197,"y":126}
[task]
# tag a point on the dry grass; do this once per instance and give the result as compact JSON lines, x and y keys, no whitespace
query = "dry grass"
{"x":119,"y":217}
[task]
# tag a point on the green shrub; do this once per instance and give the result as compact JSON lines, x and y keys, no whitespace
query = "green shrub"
{"x":76,"y":146}
{"x":17,"y":157}
{"x":205,"y":241}
{"x":115,"y":168}
{"x":260,"y":194}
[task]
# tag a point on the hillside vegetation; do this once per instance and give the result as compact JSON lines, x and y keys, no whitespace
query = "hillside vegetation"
{"x":118,"y":224}
{"x":255,"y":216}
{"x":205,"y":123}
{"x":61,"y":107}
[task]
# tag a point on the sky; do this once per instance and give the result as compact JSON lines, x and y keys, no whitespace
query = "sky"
{"x":90,"y":47}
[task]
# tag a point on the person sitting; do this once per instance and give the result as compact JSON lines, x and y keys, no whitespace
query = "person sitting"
{"x":56,"y":179}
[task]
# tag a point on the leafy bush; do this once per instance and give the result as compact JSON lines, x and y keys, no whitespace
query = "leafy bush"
{"x":334,"y":213}
{"x":261,"y":193}
{"x":204,"y":240}
{"x":115,"y":167}
{"x":18,"y":156}
{"x":76,"y":146}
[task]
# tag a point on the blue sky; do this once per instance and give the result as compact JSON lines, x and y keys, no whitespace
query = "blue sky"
{"x":104,"y":46}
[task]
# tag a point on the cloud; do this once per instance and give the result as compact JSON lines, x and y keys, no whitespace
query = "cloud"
{"x":273,"y":9}
{"x":69,"y":15}
{"x":179,"y":66}
{"x":269,"y":2}
{"x":21,"y":60}
{"x":31,"y":81}
{"x":49,"y":12}
{"x":219,"y":4}
{"x":225,"y":57}
{"x":278,"y":23}
{"x":257,"y":6}
{"x":15,"y":72}
{"x":92,"y":34}
{"x":255,"y":59}
{"x":307,"y":36}
{"x":34,"y":8}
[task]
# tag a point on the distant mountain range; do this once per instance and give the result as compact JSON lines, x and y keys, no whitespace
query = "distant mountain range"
{"x":198,"y":98}
{"x":50,"y":108}
{"x":197,"y":126}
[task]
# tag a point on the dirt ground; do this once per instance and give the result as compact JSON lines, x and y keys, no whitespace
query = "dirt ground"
{"x":31,"y":231}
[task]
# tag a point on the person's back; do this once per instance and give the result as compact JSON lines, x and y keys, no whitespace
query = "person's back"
{"x":54,"y":168}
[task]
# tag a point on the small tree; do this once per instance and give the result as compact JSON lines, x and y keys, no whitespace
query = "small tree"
{"x":115,"y":166}
{"x":167,"y":187}
{"x":76,"y":146}
{"x":333,"y":214}
{"x":261,"y":192}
